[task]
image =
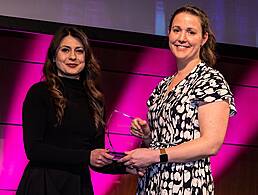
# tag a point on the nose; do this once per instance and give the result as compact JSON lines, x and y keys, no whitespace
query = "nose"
{"x":72,"y":55}
{"x":182,"y":36}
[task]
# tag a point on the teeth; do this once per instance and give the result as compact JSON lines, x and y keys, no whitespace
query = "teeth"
{"x":182,"y":46}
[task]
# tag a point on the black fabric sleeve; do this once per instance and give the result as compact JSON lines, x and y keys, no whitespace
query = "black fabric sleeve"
{"x":114,"y":168}
{"x":34,"y":115}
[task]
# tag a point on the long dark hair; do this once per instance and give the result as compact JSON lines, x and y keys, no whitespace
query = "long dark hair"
{"x":90,"y":76}
{"x":207,"y":52}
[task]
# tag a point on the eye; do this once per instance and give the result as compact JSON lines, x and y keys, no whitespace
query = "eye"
{"x":64,"y":49}
{"x":79,"y":50}
{"x":191,"y":32}
{"x":175,"y":30}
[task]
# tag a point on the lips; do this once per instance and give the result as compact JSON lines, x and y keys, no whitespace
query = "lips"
{"x":179,"y":46}
{"x":72,"y":65}
{"x":182,"y":46}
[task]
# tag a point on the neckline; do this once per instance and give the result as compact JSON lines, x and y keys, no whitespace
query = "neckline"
{"x":71,"y":82}
{"x":167,"y":92}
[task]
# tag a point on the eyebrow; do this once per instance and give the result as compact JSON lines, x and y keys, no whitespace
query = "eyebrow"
{"x":189,"y":28}
{"x":70,"y":47}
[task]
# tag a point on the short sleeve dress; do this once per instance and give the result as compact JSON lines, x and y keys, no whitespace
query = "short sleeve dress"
{"x":173,"y":119}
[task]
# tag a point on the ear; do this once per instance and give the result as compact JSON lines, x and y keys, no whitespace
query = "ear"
{"x":168,"y":32}
{"x":205,"y":38}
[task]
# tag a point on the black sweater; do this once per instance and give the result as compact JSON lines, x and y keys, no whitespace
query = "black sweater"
{"x":66,"y":147}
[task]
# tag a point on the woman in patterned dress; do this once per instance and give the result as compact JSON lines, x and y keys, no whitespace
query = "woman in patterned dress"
{"x":188,"y":114}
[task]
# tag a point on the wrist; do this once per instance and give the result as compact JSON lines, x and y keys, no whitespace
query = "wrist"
{"x":163,"y":158}
{"x":156,"y":156}
{"x":146,"y":137}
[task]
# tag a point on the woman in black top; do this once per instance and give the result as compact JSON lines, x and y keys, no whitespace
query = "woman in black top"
{"x":63,"y":125}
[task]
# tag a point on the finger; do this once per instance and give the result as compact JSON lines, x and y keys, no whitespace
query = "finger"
{"x":103,"y":162}
{"x":124,"y":159}
{"x":136,"y":123}
{"x":98,"y":163}
{"x":131,"y":171}
{"x":106,"y":161}
{"x":141,"y":174}
{"x":99,"y":160}
{"x":129,"y":163}
{"x":137,"y":134}
{"x":108,"y":156}
{"x":142,"y":171}
{"x":135,"y":130}
{"x":142,"y":122}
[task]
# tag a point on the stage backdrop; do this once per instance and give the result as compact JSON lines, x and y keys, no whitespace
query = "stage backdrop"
{"x":130,"y":73}
{"x":234,"y":22}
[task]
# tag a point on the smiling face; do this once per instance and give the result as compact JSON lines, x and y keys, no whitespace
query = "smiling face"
{"x":186,"y":38}
{"x":70,"y":57}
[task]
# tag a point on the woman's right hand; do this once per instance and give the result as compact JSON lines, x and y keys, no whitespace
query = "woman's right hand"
{"x":100,"y":157}
{"x":140,"y":128}
{"x":139,"y":171}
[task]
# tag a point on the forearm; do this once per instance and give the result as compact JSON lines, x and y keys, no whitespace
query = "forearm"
{"x":212,"y":133}
{"x":45,"y":153}
{"x":190,"y":151}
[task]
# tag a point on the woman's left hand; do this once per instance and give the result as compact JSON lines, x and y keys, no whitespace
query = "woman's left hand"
{"x":140,"y":157}
{"x":100,"y":157}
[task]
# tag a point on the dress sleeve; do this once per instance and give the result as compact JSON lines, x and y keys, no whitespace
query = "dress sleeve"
{"x":34,"y":116}
{"x":212,"y":88}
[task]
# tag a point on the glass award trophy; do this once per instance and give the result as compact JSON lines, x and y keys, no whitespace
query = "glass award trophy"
{"x":118,"y":138}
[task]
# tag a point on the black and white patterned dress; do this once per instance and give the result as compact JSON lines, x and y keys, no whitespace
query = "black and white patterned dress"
{"x":173,"y":119}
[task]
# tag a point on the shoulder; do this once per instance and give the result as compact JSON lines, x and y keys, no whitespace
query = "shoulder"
{"x":209,"y":72}
{"x":211,"y":81}
{"x":211,"y":76}
{"x":214,"y":73}
{"x":38,"y":90}
{"x":38,"y":87}
{"x":36,"y":103}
